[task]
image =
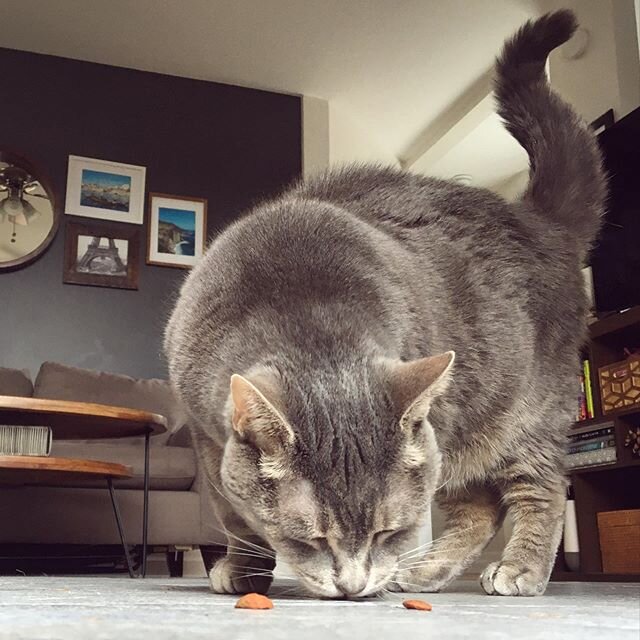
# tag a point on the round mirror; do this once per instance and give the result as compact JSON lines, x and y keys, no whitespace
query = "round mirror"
{"x":28,"y":215}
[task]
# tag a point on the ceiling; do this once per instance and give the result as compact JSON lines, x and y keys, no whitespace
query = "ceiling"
{"x":395,"y":66}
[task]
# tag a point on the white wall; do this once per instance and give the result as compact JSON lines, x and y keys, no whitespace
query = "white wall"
{"x":608,"y":74}
{"x":315,"y":135}
{"x":625,"y":24}
{"x":333,"y":135}
{"x":351,"y":141}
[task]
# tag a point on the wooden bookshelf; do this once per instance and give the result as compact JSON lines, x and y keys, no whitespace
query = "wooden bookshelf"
{"x":613,"y":486}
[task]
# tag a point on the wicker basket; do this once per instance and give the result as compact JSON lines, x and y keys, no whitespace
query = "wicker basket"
{"x":620,"y":384}
{"x":620,"y":540}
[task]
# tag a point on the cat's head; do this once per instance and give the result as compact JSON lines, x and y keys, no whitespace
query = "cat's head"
{"x":336,"y":474}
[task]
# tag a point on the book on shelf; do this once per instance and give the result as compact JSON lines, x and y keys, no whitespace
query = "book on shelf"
{"x":592,"y":458}
{"x":585,"y":395}
{"x":591,"y":446}
{"x":586,"y":372}
{"x":25,"y":441}
{"x":594,"y":445}
{"x":590,"y":435}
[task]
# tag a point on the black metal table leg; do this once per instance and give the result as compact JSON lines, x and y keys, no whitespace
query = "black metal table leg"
{"x":116,"y":511}
{"x":145,"y":513}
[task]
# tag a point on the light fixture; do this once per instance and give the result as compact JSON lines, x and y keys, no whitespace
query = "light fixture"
{"x":463,"y":178}
{"x":15,"y":182}
{"x":26,"y":194}
{"x":18,"y":210}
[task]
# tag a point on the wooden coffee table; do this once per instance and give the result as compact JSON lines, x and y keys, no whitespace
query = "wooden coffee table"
{"x":80,"y":420}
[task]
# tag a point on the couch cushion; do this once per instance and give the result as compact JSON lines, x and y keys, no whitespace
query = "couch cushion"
{"x":170,"y":468}
{"x":60,"y":382}
{"x":14,"y":382}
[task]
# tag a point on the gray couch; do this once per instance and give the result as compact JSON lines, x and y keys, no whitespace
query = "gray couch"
{"x":179,"y":510}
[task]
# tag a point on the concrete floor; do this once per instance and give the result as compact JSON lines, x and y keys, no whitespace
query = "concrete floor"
{"x":116,"y":608}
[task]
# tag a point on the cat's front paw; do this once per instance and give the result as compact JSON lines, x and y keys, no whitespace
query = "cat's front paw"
{"x":424,"y":580}
{"x":239,"y":574}
{"x":511,"y":579}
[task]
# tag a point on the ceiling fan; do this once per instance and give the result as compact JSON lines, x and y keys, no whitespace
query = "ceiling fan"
{"x":15,"y":182}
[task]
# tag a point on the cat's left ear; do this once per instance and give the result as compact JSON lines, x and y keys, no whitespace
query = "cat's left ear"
{"x":415,"y":384}
{"x":255,"y":418}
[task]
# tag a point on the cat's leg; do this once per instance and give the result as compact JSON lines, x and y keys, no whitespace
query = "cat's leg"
{"x":537,"y":508}
{"x":473,"y":517}
{"x":248,"y":565}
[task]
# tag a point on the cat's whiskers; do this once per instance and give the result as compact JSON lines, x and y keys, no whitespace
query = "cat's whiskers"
{"x":250,"y":546}
{"x":239,"y":551}
{"x":436,"y":556}
{"x":426,"y":545}
{"x":385,"y":594}
{"x":409,"y":584}
{"x":224,"y":530}
{"x":429,"y":563}
{"x":296,"y":591}
{"x":429,"y":553}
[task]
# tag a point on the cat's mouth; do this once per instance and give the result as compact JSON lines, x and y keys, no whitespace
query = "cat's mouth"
{"x":319,"y":590}
{"x":330,"y":592}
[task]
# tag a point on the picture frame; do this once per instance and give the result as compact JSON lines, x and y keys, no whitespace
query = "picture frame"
{"x":176,"y":230}
{"x":105,"y":190}
{"x":100,"y":254}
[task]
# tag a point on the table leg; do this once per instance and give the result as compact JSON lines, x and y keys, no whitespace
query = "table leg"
{"x":145,"y":514}
{"x":116,"y":511}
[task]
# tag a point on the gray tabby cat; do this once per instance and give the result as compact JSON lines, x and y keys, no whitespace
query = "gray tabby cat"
{"x":314,"y":348}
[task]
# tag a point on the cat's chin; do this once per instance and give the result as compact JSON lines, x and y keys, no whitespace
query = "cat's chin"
{"x":317,"y":590}
{"x":331,"y":592}
{"x":324,"y":593}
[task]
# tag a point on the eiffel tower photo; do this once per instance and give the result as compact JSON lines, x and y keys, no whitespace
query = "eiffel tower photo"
{"x":101,"y":259}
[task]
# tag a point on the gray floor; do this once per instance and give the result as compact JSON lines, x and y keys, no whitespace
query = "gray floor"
{"x":108,"y":608}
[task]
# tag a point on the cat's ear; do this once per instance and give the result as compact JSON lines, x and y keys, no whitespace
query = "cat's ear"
{"x":416,"y":383}
{"x":256,"y":420}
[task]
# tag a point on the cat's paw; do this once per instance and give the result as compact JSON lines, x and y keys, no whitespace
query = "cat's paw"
{"x":425,"y":580}
{"x":234,"y":574}
{"x":510,"y":579}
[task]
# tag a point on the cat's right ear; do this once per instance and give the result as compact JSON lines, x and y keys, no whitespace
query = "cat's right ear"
{"x":415,"y":384}
{"x":256,"y":420}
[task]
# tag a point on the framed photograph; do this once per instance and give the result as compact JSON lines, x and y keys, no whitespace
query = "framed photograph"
{"x":105,"y":190}
{"x":102,"y":255}
{"x":177,"y":229}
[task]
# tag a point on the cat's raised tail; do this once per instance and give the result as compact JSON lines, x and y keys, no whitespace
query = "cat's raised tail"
{"x":566,"y":179}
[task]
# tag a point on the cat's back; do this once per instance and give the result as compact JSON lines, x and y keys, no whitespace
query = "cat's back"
{"x":469,"y":246}
{"x":451,"y":225}
{"x":393,"y":199}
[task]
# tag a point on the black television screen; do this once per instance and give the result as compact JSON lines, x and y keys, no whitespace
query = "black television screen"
{"x":615,"y":259}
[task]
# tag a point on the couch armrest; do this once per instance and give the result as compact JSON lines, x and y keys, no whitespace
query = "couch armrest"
{"x":181,"y":438}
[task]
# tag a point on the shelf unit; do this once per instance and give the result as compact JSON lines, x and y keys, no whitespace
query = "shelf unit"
{"x":608,"y":487}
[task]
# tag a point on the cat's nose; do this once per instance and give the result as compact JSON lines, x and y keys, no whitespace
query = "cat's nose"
{"x":351,"y":585}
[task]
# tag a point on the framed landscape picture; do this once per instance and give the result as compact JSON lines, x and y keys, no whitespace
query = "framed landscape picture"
{"x":102,"y":255}
{"x":177,"y":229}
{"x":105,"y":190}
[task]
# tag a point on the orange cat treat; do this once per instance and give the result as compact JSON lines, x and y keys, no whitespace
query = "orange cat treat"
{"x":254,"y":601}
{"x":419,"y":605}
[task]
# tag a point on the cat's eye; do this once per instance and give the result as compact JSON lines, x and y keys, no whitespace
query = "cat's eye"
{"x":388,"y":535}
{"x":382,"y":536}
{"x":308,"y":545}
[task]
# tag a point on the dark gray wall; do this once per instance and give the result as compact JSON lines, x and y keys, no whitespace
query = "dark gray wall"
{"x":230,"y":145}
